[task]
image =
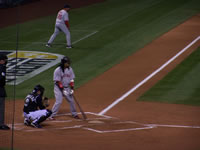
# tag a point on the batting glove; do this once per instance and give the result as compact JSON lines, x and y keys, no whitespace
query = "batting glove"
{"x":71,"y":92}
{"x":65,"y":93}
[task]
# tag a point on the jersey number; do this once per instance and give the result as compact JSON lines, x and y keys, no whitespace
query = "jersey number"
{"x":59,"y":16}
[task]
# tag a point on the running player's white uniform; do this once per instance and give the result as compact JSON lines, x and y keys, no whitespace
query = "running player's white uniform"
{"x":60,"y":26}
{"x":65,"y":78}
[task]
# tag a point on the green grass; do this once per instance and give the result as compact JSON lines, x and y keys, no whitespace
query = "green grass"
{"x":180,"y":86}
{"x":122,"y":28}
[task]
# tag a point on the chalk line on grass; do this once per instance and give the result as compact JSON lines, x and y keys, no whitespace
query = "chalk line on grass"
{"x":147,"y":78}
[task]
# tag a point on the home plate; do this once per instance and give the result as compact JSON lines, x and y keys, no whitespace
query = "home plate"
{"x":96,"y":122}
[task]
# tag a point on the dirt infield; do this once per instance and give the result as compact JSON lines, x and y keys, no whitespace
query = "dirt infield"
{"x":129,"y":124}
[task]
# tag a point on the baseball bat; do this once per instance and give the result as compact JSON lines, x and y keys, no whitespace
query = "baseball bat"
{"x":81,"y":110}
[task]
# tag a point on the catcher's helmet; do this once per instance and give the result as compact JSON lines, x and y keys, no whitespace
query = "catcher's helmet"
{"x":38,"y":88}
{"x":65,"y":60}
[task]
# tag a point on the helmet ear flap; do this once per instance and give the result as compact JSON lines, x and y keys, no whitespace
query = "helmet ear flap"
{"x":38,"y":88}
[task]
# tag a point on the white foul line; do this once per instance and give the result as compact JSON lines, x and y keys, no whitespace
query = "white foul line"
{"x":147,"y":78}
{"x":84,"y":37}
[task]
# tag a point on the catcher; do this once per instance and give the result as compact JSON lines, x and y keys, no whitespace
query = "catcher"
{"x":35,"y":106}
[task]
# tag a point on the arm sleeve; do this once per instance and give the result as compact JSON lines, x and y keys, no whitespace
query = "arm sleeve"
{"x":72,"y":74}
{"x":60,"y":85}
{"x":67,"y":24}
{"x":66,"y":19}
{"x":72,"y":79}
{"x":57,"y":75}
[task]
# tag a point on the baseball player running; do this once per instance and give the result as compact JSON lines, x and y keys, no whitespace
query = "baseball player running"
{"x":35,"y":105}
{"x":62,"y":25}
{"x":64,"y":87}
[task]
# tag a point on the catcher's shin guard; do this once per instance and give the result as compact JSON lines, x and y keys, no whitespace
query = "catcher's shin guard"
{"x":48,"y":114}
{"x":43,"y":118}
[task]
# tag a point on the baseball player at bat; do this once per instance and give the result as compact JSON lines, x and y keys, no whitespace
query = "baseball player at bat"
{"x":64,"y":87}
{"x":62,"y":25}
{"x":35,"y":105}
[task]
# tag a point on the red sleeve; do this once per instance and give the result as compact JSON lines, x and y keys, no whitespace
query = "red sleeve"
{"x":71,"y":84}
{"x":67,"y":23}
{"x":59,"y":84}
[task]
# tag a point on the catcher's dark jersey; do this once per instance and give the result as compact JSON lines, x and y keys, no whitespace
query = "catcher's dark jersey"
{"x":32,"y":103}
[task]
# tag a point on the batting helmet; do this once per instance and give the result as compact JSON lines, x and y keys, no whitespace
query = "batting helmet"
{"x":38,"y":88}
{"x":65,"y":60}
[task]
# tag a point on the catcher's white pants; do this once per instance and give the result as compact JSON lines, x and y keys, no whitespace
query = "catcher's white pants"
{"x":35,"y":115}
{"x":59,"y":98}
{"x":61,"y":28}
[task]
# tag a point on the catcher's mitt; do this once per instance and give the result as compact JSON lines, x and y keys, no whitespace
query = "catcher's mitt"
{"x":45,"y":101}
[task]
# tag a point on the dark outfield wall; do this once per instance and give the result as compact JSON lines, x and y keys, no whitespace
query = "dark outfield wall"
{"x":37,"y":8}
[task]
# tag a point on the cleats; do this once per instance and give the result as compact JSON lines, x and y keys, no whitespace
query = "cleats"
{"x":27,"y":122}
{"x":48,"y":45}
{"x":36,"y":125}
{"x":76,"y":117}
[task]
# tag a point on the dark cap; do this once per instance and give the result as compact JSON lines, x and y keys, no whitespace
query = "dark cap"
{"x":3,"y":57}
{"x":67,"y":6}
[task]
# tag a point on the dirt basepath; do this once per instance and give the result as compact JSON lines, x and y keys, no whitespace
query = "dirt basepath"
{"x":152,"y":126}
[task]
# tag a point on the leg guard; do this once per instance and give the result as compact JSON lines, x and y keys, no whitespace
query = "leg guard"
{"x":49,"y":112}
{"x":44,"y":117}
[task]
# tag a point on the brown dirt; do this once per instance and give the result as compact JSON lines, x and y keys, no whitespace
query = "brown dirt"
{"x":138,"y":133}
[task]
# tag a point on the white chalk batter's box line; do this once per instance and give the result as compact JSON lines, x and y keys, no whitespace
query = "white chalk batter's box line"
{"x":21,"y":126}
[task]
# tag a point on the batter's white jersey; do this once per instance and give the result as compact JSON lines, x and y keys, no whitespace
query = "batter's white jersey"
{"x":65,"y":77}
{"x":62,"y":17}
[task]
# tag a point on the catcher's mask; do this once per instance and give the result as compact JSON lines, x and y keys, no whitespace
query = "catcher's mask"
{"x":38,"y":88}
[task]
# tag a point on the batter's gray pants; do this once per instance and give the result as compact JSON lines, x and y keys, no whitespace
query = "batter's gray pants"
{"x":2,"y":110}
{"x":61,"y":28}
{"x":59,"y":98}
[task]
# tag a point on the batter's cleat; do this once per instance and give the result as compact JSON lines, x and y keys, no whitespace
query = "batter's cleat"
{"x":48,"y":45}
{"x":27,"y":122}
{"x":36,"y":125}
{"x":76,"y":117}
